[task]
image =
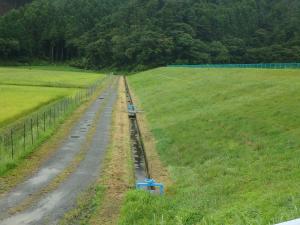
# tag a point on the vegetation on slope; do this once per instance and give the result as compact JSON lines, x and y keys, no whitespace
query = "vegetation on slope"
{"x":138,"y":33}
{"x":230,"y":139}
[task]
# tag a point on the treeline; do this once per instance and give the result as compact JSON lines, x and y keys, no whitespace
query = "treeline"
{"x":137,"y":34}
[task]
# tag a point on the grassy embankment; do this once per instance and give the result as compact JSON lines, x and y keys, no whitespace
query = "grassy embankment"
{"x":26,"y":90}
{"x":230,"y":140}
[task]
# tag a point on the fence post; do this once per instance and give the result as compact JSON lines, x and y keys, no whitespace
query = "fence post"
{"x":24,"y":135}
{"x":49,"y":117}
{"x":44,"y":121}
{"x":37,"y":125}
{"x":12,"y":143}
{"x":31,"y":128}
{"x":54,"y":114}
{"x":65,"y":102}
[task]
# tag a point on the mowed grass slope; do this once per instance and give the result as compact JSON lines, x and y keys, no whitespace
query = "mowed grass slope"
{"x":230,"y":139}
{"x":24,"y":90}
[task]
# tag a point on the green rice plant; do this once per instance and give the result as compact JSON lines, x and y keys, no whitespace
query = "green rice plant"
{"x":49,"y":76}
{"x":31,"y":109}
{"x":18,"y":101}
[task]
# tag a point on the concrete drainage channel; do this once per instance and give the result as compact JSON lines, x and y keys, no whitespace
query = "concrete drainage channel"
{"x":142,"y":173}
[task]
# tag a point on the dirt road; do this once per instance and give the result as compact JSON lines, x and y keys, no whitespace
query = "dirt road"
{"x":53,"y":190}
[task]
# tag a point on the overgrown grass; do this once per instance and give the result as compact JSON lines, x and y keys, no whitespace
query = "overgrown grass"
{"x":230,"y":139}
{"x":86,"y":206}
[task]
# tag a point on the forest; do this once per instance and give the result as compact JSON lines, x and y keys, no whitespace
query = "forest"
{"x":6,"y":5}
{"x":141,"y":34}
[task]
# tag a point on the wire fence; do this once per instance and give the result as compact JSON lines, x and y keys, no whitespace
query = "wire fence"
{"x":20,"y":138}
{"x":257,"y":66}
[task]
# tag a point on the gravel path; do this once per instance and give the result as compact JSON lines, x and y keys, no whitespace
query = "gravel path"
{"x":53,"y":205}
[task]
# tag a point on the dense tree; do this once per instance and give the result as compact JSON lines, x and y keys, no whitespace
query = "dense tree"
{"x":147,"y":33}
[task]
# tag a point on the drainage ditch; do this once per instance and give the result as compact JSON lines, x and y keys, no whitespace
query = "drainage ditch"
{"x":137,"y":144}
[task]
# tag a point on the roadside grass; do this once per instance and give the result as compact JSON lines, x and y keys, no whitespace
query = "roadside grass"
{"x":100,"y":204}
{"x":48,"y":76}
{"x":230,"y":140}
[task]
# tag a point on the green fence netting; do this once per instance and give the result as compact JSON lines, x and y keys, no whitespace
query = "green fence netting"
{"x":257,"y":66}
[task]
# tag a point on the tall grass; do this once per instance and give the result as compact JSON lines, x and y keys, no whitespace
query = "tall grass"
{"x":230,"y":139}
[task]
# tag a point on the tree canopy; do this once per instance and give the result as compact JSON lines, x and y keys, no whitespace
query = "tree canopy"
{"x":147,"y":33}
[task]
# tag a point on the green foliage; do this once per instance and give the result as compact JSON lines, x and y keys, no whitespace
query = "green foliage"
{"x":141,"y":34}
{"x":230,"y":139}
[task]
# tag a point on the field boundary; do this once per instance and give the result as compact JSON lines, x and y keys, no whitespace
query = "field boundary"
{"x":255,"y":66}
{"x":20,"y":138}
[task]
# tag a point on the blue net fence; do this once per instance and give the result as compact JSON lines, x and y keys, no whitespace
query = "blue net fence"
{"x":256,"y":66}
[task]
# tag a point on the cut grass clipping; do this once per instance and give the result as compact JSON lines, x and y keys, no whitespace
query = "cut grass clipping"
{"x":230,"y":139}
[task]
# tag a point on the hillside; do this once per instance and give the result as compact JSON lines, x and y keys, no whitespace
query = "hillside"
{"x":230,"y":140}
{"x":137,"y":34}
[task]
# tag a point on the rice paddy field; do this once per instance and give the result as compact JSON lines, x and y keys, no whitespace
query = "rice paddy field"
{"x":47,"y":76}
{"x":24,"y":90}
{"x":33,"y":102}
{"x":230,"y":140}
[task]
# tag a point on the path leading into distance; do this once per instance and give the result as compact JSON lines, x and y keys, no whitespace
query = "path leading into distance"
{"x":50,"y":207}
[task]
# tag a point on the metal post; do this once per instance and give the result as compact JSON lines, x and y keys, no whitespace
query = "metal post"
{"x":31,"y":128}
{"x":24,"y":135}
{"x":44,"y":122}
{"x":37,"y":126}
{"x":54,"y":114}
{"x":12,"y":144}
